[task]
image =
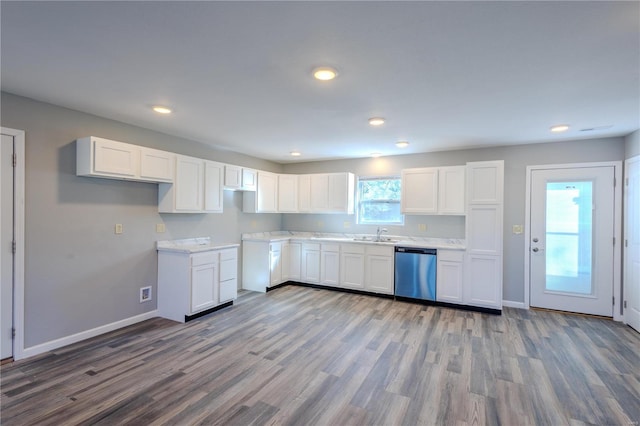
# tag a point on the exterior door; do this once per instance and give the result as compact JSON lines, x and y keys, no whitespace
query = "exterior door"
{"x":7,"y":263}
{"x":632,"y":243}
{"x":571,"y":248}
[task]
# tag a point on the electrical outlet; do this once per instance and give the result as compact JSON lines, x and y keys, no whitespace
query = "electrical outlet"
{"x":347,"y":224}
{"x":320,"y":224}
{"x":254,"y":224}
{"x":422,"y":227}
{"x":517,"y":229}
{"x":118,"y":228}
{"x":145,"y":294}
{"x":160,"y":228}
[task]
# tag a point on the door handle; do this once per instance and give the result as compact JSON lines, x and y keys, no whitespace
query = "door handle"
{"x":535,"y":249}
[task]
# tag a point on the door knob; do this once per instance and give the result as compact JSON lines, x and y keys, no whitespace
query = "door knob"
{"x":535,"y":240}
{"x":535,"y":249}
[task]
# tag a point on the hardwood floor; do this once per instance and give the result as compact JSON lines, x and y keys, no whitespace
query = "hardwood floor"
{"x":304,"y":356}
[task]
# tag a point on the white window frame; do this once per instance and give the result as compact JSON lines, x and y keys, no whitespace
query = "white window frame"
{"x":359,"y":201}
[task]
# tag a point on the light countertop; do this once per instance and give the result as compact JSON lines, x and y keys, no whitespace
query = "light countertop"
{"x":192,"y":245}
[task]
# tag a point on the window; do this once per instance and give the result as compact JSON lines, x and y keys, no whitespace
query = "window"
{"x":379,"y":201}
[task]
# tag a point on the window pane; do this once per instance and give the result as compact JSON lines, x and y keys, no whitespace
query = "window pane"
{"x":379,"y":201}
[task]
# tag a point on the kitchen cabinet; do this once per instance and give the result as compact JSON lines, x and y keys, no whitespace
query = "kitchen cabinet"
{"x":330,"y":264}
{"x":261,"y":264}
{"x":291,"y":258}
{"x":450,"y":276}
{"x":287,"y":193}
{"x":484,"y":234}
{"x":379,"y":269}
{"x":310,"y":263}
{"x":332,"y":193}
{"x":197,"y":187}
{"x":352,"y":266}
{"x":239,"y":178}
{"x":190,"y":283}
{"x":265,"y":198}
{"x":304,"y":193}
{"x":434,"y":190}
{"x":275,"y":262}
{"x":98,"y":157}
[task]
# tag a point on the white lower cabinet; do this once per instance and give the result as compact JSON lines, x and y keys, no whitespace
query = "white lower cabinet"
{"x":352,"y":266}
{"x":310,"y":263}
{"x":450,"y":276}
{"x":191,"y":283}
{"x":330,"y":264}
{"x":275,"y":262}
{"x":483,"y":281}
{"x":291,"y":261}
{"x":379,"y":269}
{"x":261,"y":264}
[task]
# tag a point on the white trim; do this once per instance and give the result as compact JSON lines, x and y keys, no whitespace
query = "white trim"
{"x":18,"y":290}
{"x":625,"y":262}
{"x":617,"y":227}
{"x":87,"y":334}
{"x":512,"y":304}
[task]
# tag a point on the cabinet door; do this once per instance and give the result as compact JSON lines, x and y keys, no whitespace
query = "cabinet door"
{"x":275,"y":262}
{"x":483,"y":281}
{"x":330,"y":268}
{"x":379,"y":266}
{"x":213,"y":187}
{"x":203,"y":287}
{"x":420,"y":191}
{"x":352,"y":270}
{"x":340,"y":195}
{"x":450,"y":276}
{"x":188,"y":185}
{"x":156,"y":165}
{"x":451,"y":192}
{"x":485,"y":182}
{"x":484,"y":229}
{"x":115,"y":158}
{"x":319,"y":192}
{"x":232,"y":177}
{"x":287,"y":193}
{"x":228,"y":275}
{"x":294,"y":261}
{"x":304,"y":193}
{"x":267,"y":192}
{"x":249,"y":179}
{"x":310,"y":265}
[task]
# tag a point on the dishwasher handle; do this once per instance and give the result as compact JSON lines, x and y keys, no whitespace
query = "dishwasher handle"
{"x":418,"y":250}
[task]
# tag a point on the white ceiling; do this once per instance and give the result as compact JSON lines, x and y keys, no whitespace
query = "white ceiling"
{"x":445,"y":75}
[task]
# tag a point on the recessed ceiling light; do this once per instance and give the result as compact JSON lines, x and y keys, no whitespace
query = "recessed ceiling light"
{"x":560,"y":128}
{"x":295,"y":153}
{"x":376,"y":121}
{"x":376,"y":154}
{"x":325,"y":73}
{"x":162,"y":110}
{"x":402,"y":144}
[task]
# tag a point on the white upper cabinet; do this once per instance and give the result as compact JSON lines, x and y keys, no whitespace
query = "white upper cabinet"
{"x":304,"y":193}
{"x":213,"y":175}
{"x":156,"y":165}
{"x":265,"y":198}
{"x":197,"y":187}
{"x":287,"y":193}
{"x":486,"y":182}
{"x":451,"y":190}
{"x":434,"y":190}
{"x":332,"y":193}
{"x":118,"y":160}
{"x":420,"y":191}
{"x":239,"y":178}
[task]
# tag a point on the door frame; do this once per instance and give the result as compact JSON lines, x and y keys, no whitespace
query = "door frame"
{"x":19,"y":225}
{"x":626,"y":263}
{"x":617,"y":229}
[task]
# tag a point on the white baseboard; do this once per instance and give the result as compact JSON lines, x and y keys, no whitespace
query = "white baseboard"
{"x":512,"y":304}
{"x":83,"y":335}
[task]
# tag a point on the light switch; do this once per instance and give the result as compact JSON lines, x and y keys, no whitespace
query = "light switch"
{"x":118,"y":228}
{"x":422,"y":227}
{"x":160,"y":228}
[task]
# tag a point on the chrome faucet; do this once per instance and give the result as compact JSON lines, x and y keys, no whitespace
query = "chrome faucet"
{"x":379,"y":232}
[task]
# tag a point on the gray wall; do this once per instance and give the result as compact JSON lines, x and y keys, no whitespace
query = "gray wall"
{"x":516,"y":158}
{"x":78,"y":274}
{"x":632,"y":144}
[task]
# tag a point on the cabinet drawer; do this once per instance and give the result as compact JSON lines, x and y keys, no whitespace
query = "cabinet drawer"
{"x":353,"y":248}
{"x":228,"y":254}
{"x":204,"y":258}
{"x":380,"y":250}
{"x":228,"y":269}
{"x":451,"y":255}
{"x":331,"y":247}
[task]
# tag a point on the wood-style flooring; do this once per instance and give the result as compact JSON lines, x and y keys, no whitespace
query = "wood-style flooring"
{"x":304,"y":356}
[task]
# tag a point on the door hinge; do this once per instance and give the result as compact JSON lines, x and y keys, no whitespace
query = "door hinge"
{"x":13,"y":246}
{"x":625,"y":304}
{"x":626,"y":181}
{"x":613,"y":300}
{"x":14,"y":159}
{"x":614,"y":182}
{"x":626,"y":243}
{"x":614,"y":241}
{"x":13,"y":332}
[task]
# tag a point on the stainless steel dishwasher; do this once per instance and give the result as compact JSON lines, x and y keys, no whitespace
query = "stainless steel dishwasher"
{"x":415,"y":273}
